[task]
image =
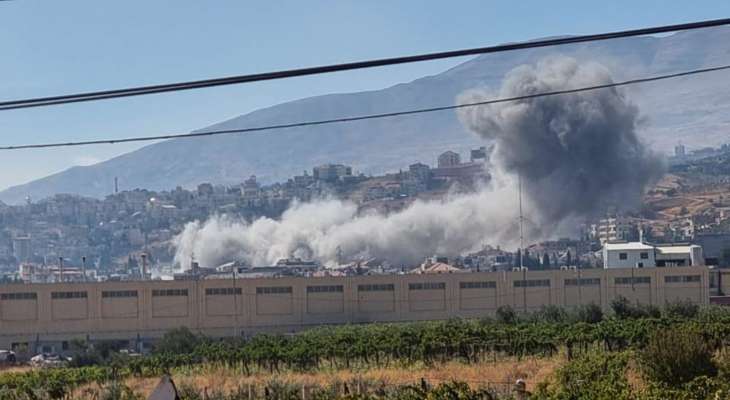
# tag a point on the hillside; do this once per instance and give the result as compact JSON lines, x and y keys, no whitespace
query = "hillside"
{"x":690,"y":109}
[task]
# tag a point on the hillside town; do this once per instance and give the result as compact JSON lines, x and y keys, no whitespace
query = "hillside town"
{"x":111,"y":236}
{"x":129,"y":234}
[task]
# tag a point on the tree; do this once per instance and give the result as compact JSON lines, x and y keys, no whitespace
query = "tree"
{"x":590,"y":313}
{"x":178,"y":341}
{"x":681,"y":309}
{"x":506,"y":315}
{"x":676,"y":356}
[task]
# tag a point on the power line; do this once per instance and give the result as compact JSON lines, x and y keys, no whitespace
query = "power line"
{"x":368,"y":116}
{"x":233,"y":80}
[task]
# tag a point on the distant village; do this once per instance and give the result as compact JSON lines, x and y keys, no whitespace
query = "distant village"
{"x":128,"y":235}
{"x":113,"y":237}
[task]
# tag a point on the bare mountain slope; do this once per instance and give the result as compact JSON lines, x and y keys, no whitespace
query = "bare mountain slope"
{"x":690,"y":109}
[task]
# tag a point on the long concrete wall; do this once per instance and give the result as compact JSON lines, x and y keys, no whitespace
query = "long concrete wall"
{"x":45,"y":317}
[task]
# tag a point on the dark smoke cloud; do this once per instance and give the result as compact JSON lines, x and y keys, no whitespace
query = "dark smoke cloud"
{"x":577,"y":153}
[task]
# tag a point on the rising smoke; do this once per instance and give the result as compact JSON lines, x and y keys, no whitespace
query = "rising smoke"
{"x":576,"y":154}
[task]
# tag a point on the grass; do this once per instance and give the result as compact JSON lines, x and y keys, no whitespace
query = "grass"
{"x":502,"y":373}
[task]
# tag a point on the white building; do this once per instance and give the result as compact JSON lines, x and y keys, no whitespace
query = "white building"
{"x":642,"y":255}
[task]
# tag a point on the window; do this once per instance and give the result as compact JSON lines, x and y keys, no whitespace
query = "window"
{"x":169,"y":292}
{"x":376,"y":287}
{"x":273,"y":290}
{"x":427,"y":286}
{"x":644,"y":255}
{"x":623,"y":256}
{"x":478,"y":285}
{"x":682,"y":278}
{"x":637,"y":280}
{"x":118,"y":293}
{"x":68,"y":295}
{"x":532,"y":283}
{"x":227,"y":291}
{"x":583,"y":282}
{"x":19,"y":296}
{"x":325,"y":289}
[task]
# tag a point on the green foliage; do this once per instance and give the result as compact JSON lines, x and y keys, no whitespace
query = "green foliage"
{"x":595,"y":375}
{"x":551,"y":313}
{"x":506,"y":315}
{"x":589,"y":313}
{"x":676,"y":356}
{"x":178,"y":341}
{"x":624,"y":309}
{"x":681,"y":309}
{"x":579,"y":333}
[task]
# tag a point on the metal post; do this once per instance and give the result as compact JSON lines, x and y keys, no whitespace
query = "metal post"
{"x":144,"y":266}
{"x":235,"y":304}
{"x":60,"y":269}
{"x":83,"y":266}
{"x":522,"y":247}
{"x":522,"y":238}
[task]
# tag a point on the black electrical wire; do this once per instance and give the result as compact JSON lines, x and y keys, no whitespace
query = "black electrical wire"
{"x":232,"y":80}
{"x":368,"y":116}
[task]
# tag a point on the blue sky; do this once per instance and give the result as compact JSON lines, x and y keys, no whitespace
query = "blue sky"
{"x":65,"y":46}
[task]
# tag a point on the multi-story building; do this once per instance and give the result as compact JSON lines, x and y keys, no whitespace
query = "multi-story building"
{"x":22,"y":249}
{"x":448,"y":159}
{"x":612,"y":229}
{"x":331,"y":172}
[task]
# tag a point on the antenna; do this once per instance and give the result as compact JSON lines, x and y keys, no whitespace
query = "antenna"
{"x":522,"y":237}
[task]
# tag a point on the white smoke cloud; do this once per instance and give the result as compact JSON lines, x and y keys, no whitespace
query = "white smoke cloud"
{"x":316,"y":230}
{"x":576,"y":154}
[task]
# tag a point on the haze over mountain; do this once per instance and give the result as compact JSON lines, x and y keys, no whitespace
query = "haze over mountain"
{"x":693,"y":110}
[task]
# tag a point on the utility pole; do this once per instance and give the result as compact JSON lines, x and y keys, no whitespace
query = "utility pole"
{"x":144,"y":266}
{"x":522,"y":246}
{"x":83,"y":266}
{"x":235,"y":304}
{"x":522,"y":237}
{"x":60,"y":269}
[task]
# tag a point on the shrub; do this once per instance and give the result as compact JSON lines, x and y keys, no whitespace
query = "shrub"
{"x":681,"y":309}
{"x":676,"y":356}
{"x":623,"y":309}
{"x":594,"y":375}
{"x":506,"y":315}
{"x":589,"y":313}
{"x":551,"y":313}
{"x":178,"y":341}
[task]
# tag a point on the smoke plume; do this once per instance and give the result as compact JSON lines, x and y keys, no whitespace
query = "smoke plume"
{"x":576,"y":154}
{"x":322,"y":229}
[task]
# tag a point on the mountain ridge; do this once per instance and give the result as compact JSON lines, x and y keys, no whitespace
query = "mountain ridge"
{"x":375,"y":146}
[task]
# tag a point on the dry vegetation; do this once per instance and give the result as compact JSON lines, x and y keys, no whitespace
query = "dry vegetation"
{"x":502,"y":373}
